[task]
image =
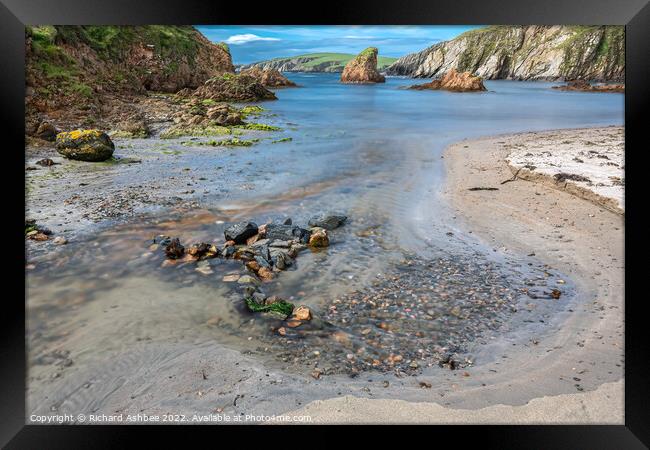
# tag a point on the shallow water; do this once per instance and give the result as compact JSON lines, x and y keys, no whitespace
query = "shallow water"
{"x":372,"y":152}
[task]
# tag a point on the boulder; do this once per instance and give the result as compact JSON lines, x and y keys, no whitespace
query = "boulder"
{"x":281,"y":232}
{"x":363,"y":68}
{"x":454,"y":81}
{"x":46,"y":131}
{"x":327,"y":221}
{"x":240,"y":232}
{"x":85,"y":145}
{"x":319,"y":238}
{"x":133,"y":127}
{"x":46,"y":162}
{"x":269,"y":77}
{"x":175,"y":249}
{"x":224,"y":115}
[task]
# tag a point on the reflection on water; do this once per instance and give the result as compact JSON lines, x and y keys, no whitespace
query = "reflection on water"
{"x":372,"y":152}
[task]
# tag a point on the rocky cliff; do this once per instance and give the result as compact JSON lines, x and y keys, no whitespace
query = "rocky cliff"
{"x":75,"y":72}
{"x":524,"y":53}
{"x":363,"y":68}
{"x":315,"y":62}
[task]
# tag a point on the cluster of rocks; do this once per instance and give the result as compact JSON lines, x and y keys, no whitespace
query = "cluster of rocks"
{"x":454,"y":81}
{"x":35,"y":232}
{"x":269,"y":77}
{"x":233,"y":88}
{"x":363,"y":68}
{"x":265,"y":251}
{"x":133,"y":126}
{"x":198,"y":116}
{"x":582,"y":85}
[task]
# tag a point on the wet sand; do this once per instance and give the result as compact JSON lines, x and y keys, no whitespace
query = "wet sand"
{"x":542,"y":382}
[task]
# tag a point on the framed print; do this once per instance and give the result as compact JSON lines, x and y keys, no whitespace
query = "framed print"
{"x":411,"y":214}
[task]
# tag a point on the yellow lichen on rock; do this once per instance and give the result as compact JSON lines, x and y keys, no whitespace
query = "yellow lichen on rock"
{"x":85,"y":145}
{"x":77,"y":134}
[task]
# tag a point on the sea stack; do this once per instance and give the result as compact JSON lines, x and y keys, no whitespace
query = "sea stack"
{"x":454,"y":81}
{"x":363,"y":68}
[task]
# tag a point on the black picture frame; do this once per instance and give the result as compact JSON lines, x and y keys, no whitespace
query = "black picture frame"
{"x":634,"y":14}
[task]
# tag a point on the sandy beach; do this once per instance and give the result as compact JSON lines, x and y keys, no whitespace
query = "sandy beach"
{"x":568,"y":368}
{"x":575,"y":235}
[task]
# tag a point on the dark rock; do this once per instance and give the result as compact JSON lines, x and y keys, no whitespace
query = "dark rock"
{"x":162,"y":240}
{"x":262,"y":261}
{"x":46,"y":131}
{"x":280,"y":258}
{"x":286,"y":233}
{"x":240,"y":232}
{"x":287,"y":221}
{"x":562,"y":177}
{"x":174,"y":250}
{"x":327,"y":221}
{"x":46,"y":162}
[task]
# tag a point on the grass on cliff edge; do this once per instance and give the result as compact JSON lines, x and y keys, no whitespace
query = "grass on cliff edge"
{"x":341,"y":59}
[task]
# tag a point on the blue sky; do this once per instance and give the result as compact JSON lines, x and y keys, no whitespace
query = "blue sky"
{"x":256,"y":43}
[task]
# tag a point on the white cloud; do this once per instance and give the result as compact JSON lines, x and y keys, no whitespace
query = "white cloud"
{"x":239,"y":39}
{"x":359,"y":37}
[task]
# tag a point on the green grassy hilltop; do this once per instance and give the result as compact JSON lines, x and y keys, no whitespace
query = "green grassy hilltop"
{"x":317,"y":62}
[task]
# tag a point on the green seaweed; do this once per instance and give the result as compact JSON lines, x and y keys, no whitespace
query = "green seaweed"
{"x":175,"y":132}
{"x":259,"y":127}
{"x":281,"y":307}
{"x":284,"y":139}
{"x":233,"y":142}
{"x":254,"y":109}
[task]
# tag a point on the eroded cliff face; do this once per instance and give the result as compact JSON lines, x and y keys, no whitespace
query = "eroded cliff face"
{"x":363,"y":68}
{"x":524,"y":53}
{"x":75,"y":72}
